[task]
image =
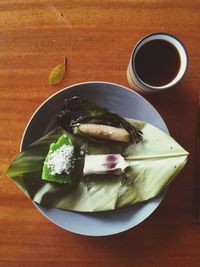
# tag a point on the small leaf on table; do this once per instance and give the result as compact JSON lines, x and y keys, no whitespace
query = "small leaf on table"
{"x":57,"y":73}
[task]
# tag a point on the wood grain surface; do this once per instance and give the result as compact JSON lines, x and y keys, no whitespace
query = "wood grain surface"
{"x":97,"y":38}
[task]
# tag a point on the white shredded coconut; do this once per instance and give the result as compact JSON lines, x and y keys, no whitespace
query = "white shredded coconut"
{"x":61,"y":160}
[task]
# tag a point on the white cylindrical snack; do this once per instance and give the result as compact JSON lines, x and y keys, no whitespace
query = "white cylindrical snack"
{"x":105,"y":132}
{"x":104,"y":164}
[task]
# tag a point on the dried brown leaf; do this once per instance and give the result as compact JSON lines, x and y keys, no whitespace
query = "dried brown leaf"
{"x":57,"y":73}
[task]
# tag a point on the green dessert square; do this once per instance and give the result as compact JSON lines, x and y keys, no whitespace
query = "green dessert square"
{"x":59,"y":162}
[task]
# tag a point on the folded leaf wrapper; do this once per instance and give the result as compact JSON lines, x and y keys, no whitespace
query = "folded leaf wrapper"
{"x":154,"y":162}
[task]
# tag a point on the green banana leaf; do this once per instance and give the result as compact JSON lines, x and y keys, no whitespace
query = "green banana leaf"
{"x":153,"y":164}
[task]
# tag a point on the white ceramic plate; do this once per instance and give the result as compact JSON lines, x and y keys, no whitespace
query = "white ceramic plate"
{"x":124,"y":102}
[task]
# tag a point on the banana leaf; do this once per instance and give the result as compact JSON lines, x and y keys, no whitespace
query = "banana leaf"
{"x":153,"y":164}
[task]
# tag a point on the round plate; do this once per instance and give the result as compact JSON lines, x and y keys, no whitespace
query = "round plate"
{"x":124,"y":102}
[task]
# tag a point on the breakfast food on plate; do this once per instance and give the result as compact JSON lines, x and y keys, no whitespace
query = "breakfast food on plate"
{"x":104,"y":164}
{"x":63,"y":155}
{"x":104,"y":132}
{"x":60,"y":161}
{"x":95,"y":160}
{"x":82,"y":116}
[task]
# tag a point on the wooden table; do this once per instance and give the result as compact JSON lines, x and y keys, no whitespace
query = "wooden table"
{"x":97,"y":38}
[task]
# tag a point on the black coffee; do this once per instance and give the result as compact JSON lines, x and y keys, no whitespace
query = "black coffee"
{"x":157,"y":62}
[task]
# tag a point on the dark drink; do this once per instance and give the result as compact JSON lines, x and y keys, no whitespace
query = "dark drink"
{"x":157,"y":62}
